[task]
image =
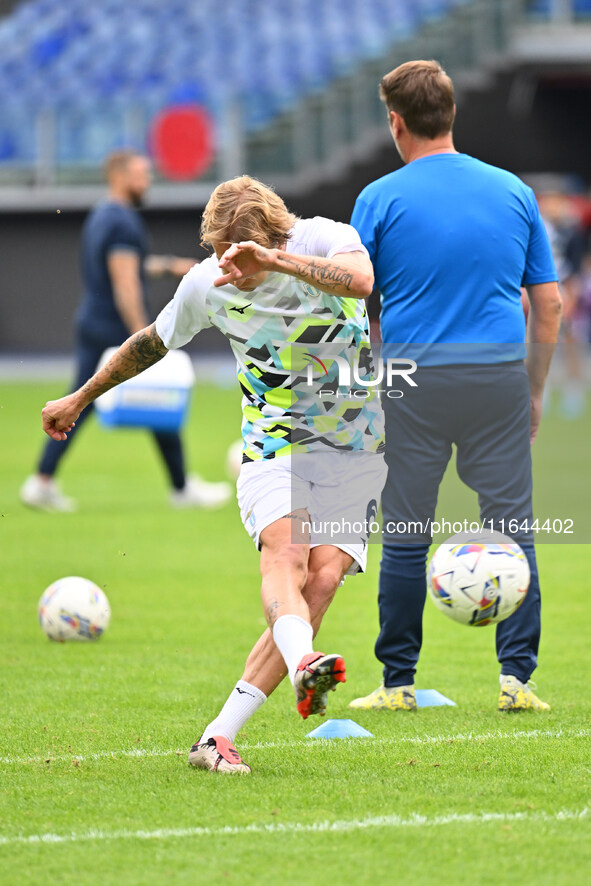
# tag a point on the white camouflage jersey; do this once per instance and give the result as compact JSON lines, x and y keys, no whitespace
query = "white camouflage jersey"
{"x":290,"y":340}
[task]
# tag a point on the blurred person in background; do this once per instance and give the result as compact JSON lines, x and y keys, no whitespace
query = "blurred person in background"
{"x":452,"y":240}
{"x":115,"y":263}
{"x":582,"y":318}
{"x":568,"y":241}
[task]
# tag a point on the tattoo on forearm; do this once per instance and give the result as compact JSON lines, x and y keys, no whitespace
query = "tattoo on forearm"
{"x":138,"y":353}
{"x":329,"y":276}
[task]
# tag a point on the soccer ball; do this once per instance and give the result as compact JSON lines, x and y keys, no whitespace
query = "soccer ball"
{"x":234,"y":459}
{"x":478,"y":583}
{"x":74,"y":608}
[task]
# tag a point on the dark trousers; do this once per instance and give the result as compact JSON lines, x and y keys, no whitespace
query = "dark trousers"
{"x":484,"y":411}
{"x":88,"y":352}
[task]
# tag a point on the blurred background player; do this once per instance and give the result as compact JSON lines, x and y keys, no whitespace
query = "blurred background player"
{"x":452,"y":241}
{"x":569,"y":243}
{"x":115,"y":263}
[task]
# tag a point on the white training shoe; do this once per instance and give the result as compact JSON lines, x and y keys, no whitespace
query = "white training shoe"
{"x":45,"y":495}
{"x":218,"y":754}
{"x":199,"y":493}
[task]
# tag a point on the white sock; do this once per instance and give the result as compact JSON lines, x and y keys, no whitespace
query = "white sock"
{"x":242,"y":702}
{"x":293,"y":638}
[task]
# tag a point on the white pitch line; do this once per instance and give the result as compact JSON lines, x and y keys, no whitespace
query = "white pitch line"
{"x":383,"y":821}
{"x":445,"y":739}
{"x":98,"y":755}
{"x":497,"y":735}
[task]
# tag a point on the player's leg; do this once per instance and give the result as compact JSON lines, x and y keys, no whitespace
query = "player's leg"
{"x":171,"y":449}
{"x":265,"y":667}
{"x":401,"y":600}
{"x":418,"y":449}
{"x":494,"y":459}
{"x":40,"y":489}
{"x":285,"y":546}
{"x":284,"y":568}
{"x":188,"y":491}
{"x":272,"y":500}
{"x":327,"y":565}
{"x":517,"y":641}
{"x":265,"y":495}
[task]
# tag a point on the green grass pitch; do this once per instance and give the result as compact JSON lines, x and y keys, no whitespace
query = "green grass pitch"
{"x":94,"y":785}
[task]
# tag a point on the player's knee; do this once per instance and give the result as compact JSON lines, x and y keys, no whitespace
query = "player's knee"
{"x":289,"y":558}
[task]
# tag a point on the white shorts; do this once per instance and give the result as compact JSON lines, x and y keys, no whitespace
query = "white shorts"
{"x":339,"y":490}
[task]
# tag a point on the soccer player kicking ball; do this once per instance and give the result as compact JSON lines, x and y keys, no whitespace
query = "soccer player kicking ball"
{"x":278,"y":287}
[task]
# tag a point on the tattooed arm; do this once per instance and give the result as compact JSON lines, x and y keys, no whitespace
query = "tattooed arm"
{"x":347,"y":273}
{"x":136,"y":354}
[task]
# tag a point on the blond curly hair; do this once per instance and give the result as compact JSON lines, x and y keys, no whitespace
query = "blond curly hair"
{"x":243,"y":208}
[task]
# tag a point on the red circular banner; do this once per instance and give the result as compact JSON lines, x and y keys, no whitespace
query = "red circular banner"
{"x":182,"y":142}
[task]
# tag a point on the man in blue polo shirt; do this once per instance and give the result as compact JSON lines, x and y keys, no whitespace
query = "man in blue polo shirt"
{"x":115,"y":262}
{"x":452,"y":241}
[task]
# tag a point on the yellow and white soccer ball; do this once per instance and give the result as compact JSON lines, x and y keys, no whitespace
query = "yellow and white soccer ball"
{"x":478,"y":583}
{"x":74,"y":608}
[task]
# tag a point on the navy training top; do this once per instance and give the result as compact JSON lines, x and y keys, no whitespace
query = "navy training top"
{"x":110,"y":226}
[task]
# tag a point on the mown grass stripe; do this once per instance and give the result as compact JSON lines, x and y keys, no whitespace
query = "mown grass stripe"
{"x":382,"y":821}
{"x":497,"y":735}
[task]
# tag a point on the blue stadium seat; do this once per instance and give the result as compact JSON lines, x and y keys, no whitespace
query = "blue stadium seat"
{"x":545,"y":8}
{"x":539,"y":8}
{"x":99,"y":64}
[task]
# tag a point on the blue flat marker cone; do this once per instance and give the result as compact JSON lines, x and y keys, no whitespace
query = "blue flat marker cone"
{"x":339,"y":729}
{"x":431,"y":698}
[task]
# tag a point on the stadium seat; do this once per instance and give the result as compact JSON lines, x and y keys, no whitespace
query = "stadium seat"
{"x":96,"y":65}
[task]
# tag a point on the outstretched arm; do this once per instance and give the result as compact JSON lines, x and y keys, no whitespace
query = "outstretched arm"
{"x":136,"y":354}
{"x":173,"y":265}
{"x":124,"y":270}
{"x":347,"y":274}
